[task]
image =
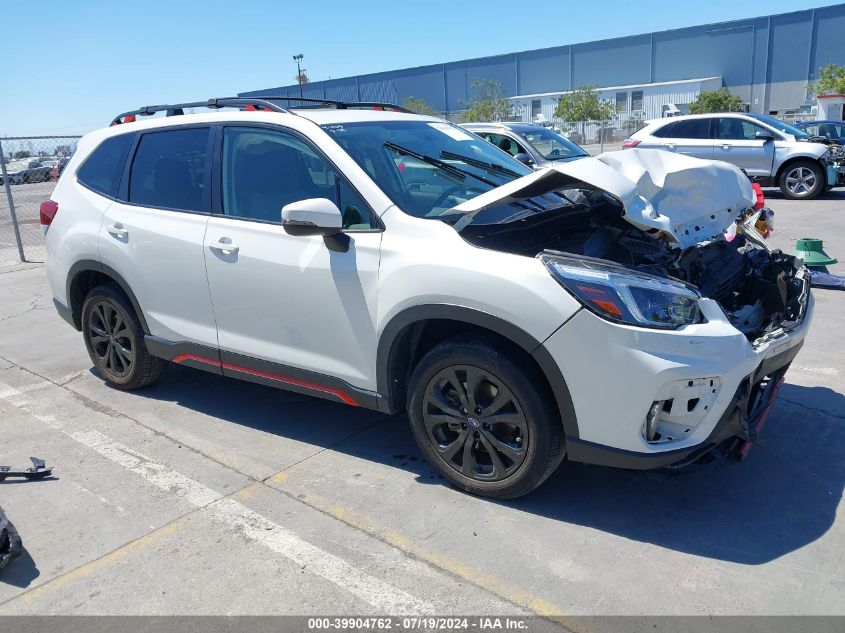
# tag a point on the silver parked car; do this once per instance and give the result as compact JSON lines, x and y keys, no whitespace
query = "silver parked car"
{"x":532,"y":144}
{"x":26,"y":170}
{"x":771,"y":152}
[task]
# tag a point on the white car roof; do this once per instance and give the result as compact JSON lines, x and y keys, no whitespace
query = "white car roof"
{"x":708,"y":115}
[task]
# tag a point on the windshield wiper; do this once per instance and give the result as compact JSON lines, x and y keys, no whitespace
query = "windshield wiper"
{"x":480,"y":163}
{"x":435,"y":162}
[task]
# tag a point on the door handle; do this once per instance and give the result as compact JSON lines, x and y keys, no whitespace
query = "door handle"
{"x":671,"y":146}
{"x":726,"y":145}
{"x":224,"y":244}
{"x":117,"y":230}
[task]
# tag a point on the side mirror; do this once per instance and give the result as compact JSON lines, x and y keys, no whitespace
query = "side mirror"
{"x":314,"y":216}
{"x":764,"y":136}
{"x":524,"y":158}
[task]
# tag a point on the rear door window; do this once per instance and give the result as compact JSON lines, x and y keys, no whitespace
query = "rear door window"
{"x":102,"y":169}
{"x":692,"y":129}
{"x":688,"y":129}
{"x":170,"y":170}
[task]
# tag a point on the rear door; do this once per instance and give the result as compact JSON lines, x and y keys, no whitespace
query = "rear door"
{"x":152,"y":235}
{"x":736,"y":143}
{"x":691,"y":137}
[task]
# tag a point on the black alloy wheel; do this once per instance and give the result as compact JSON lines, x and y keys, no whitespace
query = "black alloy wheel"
{"x":115,"y":340}
{"x":111,"y":339}
{"x":484,"y":416}
{"x":475,"y":423}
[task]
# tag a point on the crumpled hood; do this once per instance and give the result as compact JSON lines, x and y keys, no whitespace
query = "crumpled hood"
{"x":690,"y":199}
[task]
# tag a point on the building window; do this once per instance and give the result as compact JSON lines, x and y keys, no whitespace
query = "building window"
{"x":637,"y":100}
{"x":536,"y":108}
{"x":621,"y":101}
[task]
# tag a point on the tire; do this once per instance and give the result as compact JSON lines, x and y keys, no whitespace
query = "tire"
{"x":509,"y":414}
{"x":115,"y":340}
{"x":802,"y":180}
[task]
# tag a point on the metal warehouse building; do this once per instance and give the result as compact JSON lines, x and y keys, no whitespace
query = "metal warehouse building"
{"x":767,"y":61}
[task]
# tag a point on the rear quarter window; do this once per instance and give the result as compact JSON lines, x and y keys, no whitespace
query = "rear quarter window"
{"x":101,"y":171}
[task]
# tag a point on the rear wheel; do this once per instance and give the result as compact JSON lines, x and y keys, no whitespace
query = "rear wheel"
{"x":115,"y":340}
{"x":802,"y":180}
{"x":480,"y":420}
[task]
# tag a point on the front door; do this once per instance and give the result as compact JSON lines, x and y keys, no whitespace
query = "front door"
{"x":736,"y":143}
{"x":290,"y":308}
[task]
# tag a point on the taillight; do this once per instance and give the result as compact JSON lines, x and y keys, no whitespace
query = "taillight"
{"x":630,"y":142}
{"x":47,"y":212}
{"x":760,"y":198}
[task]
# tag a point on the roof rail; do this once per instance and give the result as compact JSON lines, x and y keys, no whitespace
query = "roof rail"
{"x":263,"y":102}
{"x":340,"y":105}
{"x":176,"y":109}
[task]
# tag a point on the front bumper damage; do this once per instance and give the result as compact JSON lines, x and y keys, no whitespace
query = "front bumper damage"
{"x":637,"y":367}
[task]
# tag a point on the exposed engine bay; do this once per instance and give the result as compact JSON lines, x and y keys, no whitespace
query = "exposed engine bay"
{"x":759,"y":290}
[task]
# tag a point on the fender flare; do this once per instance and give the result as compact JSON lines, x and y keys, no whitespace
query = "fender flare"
{"x":513,"y":333}
{"x":85,"y":265}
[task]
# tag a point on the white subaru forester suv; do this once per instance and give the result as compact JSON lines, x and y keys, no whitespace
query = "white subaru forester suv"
{"x":609,"y":310}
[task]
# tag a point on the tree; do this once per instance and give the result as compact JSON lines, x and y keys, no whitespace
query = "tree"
{"x":582,"y":105}
{"x":21,"y":154}
{"x":715,"y":101}
{"x":831,"y":81}
{"x":420,"y":106}
{"x":302,"y":77}
{"x":490,"y":104}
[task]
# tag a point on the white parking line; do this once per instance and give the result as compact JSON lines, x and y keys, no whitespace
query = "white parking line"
{"x":827,"y":371}
{"x":376,"y":592}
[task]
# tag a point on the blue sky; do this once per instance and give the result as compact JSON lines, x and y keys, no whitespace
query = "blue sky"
{"x":70,"y":65}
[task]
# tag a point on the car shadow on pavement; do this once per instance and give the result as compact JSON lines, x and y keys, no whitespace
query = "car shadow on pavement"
{"x":21,"y":571}
{"x":837,"y":193}
{"x":783,"y":496}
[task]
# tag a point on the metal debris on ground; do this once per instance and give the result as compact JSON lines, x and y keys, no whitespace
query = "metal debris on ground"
{"x":38,"y":470}
{"x":819,"y":279}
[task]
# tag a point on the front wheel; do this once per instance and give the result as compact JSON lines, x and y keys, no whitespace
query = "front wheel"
{"x":482,"y":419}
{"x":802,"y":180}
{"x":115,"y":340}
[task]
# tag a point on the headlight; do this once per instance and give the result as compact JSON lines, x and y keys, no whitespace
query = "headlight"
{"x":625,"y":296}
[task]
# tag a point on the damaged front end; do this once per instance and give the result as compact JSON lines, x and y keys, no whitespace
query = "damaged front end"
{"x":671,"y":221}
{"x":663,"y":242}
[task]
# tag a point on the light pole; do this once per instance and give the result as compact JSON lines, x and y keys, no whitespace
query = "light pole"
{"x":297,"y":59}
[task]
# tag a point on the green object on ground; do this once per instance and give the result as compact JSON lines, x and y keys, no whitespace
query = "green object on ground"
{"x":811,"y":250}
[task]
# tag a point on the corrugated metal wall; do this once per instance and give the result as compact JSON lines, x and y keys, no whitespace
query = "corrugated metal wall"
{"x":767,"y":61}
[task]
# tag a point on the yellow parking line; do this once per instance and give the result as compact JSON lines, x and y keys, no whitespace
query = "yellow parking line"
{"x":445,"y":562}
{"x":94,"y":566}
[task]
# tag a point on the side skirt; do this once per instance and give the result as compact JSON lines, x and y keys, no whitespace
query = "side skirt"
{"x":263,"y":372}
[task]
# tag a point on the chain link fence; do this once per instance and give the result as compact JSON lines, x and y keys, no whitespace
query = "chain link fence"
{"x":598,"y":136}
{"x":594,"y":136}
{"x":29,"y":169}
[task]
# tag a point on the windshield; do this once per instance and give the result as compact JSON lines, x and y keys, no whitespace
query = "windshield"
{"x":426,"y":167}
{"x":550,"y":144}
{"x":780,"y":126}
